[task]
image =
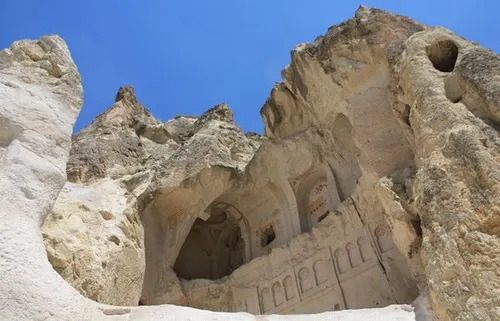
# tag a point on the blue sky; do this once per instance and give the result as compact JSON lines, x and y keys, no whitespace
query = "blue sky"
{"x":185,"y":56}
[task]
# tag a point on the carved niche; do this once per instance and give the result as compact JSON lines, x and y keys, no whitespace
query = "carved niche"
{"x":289,"y":288}
{"x":320,"y":273}
{"x":354,"y":255}
{"x":342,"y":259}
{"x":305,"y":278}
{"x":266,"y":299}
{"x":384,"y":238}
{"x":314,"y":196}
{"x":278,"y":294}
{"x":365,"y":249}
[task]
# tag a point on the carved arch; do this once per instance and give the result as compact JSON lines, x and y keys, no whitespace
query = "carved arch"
{"x":342,"y":259}
{"x":278,"y":294}
{"x":320,"y":273}
{"x":305,"y":278}
{"x":316,"y":194}
{"x":266,"y":299}
{"x":289,"y":288}
{"x":354,"y":255}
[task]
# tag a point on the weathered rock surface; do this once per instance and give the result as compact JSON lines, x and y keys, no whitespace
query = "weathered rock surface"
{"x":40,"y":97}
{"x":376,"y":180}
{"x":456,"y":190}
{"x":94,"y":236}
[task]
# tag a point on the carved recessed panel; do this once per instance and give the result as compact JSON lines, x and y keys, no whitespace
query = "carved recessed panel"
{"x":353,"y":258}
{"x":316,"y":273}
{"x":284,"y":292}
{"x":365,"y":249}
{"x":290,"y":287}
{"x":278,"y":294}
{"x":266,"y":300}
{"x":305,"y":280}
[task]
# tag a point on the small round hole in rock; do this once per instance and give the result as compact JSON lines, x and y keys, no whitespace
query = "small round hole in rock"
{"x":114,"y":239}
{"x":443,"y":54}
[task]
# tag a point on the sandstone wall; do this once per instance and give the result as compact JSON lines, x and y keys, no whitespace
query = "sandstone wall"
{"x":329,"y":127}
{"x":376,"y":180}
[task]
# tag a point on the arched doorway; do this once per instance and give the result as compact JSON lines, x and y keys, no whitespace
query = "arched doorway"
{"x":213,"y":248}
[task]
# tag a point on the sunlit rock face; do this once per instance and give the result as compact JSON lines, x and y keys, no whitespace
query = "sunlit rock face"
{"x":375,"y":182}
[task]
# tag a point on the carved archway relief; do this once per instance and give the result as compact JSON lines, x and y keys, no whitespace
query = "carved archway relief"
{"x":254,"y":209}
{"x":316,"y":195}
{"x":267,"y":300}
{"x":235,"y":214}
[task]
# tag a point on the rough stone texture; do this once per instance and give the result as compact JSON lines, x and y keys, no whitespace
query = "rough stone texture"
{"x":92,"y":246}
{"x":456,"y":190}
{"x":320,"y":161}
{"x":376,"y":180}
{"x":94,"y":236}
{"x":40,"y":97}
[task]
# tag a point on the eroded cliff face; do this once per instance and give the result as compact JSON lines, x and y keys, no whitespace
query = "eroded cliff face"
{"x":126,"y":173}
{"x":455,"y":190}
{"x":375,"y":181}
{"x":40,"y":96}
{"x":293,"y":227}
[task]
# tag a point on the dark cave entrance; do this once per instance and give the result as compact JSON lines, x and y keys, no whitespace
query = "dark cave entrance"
{"x":443,"y":54}
{"x":213,"y":248}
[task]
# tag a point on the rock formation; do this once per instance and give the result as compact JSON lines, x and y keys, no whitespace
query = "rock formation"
{"x":376,"y":181}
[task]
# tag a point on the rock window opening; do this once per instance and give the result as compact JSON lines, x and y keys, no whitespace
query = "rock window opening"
{"x":322,"y":217}
{"x":213,"y":248}
{"x":268,"y":235}
{"x":443,"y":54}
{"x":406,"y":115}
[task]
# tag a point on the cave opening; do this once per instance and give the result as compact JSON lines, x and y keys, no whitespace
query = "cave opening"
{"x":268,"y":235}
{"x":443,"y":54}
{"x":213,"y":248}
